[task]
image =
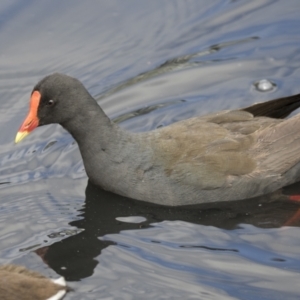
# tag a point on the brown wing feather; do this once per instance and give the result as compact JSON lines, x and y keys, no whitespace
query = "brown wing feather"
{"x":203,"y":153}
{"x":207,"y":151}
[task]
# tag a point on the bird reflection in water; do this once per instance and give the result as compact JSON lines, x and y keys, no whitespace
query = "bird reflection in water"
{"x":75,"y":257}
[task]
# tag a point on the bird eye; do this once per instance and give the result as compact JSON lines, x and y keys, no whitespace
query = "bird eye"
{"x":50,"y":102}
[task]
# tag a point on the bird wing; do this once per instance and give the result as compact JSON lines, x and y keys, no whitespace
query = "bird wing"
{"x":218,"y":149}
{"x":204,"y":152}
{"x":278,"y":147}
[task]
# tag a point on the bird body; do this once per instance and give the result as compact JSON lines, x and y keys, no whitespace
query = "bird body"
{"x":17,"y":282}
{"x":229,"y":155}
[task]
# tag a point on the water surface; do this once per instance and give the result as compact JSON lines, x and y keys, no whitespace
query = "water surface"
{"x":148,"y":64}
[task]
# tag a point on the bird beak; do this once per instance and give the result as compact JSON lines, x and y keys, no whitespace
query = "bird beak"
{"x":32,"y":120}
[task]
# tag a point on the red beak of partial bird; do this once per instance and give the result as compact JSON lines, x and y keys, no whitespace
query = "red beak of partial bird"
{"x":32,"y":120}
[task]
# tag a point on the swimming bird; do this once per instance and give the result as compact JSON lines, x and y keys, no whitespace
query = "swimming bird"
{"x":227,"y":155}
{"x":17,"y":282}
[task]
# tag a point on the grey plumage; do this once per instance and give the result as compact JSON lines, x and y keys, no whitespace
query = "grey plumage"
{"x":229,"y":155}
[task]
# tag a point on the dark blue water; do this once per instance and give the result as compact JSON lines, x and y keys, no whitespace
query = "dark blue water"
{"x":149,"y":63}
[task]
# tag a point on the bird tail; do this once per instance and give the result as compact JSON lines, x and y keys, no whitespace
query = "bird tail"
{"x":279,"y":108}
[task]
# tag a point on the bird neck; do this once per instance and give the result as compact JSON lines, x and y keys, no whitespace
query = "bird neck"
{"x":91,"y":126}
{"x":106,"y":149}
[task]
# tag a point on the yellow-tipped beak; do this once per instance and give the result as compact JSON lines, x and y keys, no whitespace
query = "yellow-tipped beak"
{"x":31,"y":121}
{"x":20,"y":136}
